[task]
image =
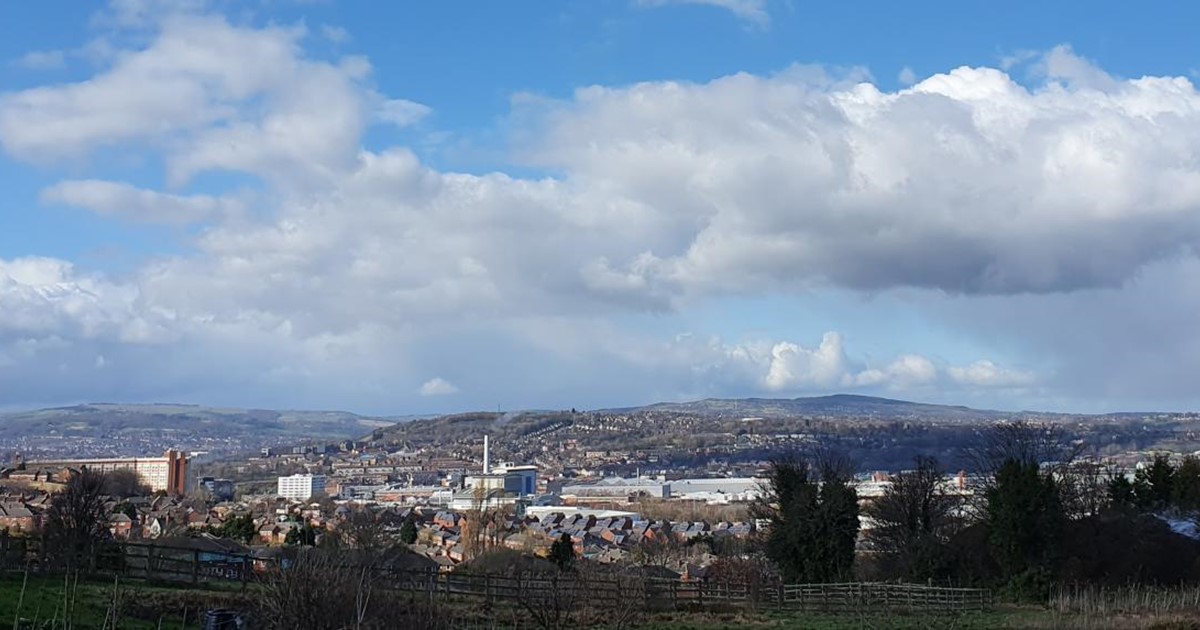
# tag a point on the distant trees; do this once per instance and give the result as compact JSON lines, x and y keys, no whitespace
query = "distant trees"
{"x":813,"y":516}
{"x":913,"y":520}
{"x":1159,"y":486}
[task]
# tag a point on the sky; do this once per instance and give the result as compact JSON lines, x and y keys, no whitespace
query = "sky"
{"x":421,"y":207}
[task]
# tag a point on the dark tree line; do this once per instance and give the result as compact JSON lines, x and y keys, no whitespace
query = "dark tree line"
{"x":1036,"y":514}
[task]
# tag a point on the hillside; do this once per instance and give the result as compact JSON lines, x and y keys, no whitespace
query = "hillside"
{"x":848,"y":405}
{"x":103,"y":420}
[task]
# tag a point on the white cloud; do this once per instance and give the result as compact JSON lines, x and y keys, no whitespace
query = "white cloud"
{"x":46,"y":298}
{"x":908,"y":371}
{"x":906,"y":76}
{"x":751,"y":11}
{"x":220,"y":97}
{"x":437,"y":386}
{"x":122,"y":200}
{"x":795,"y":367}
{"x":401,"y":113}
{"x":987,"y":374}
{"x":966,"y":182}
{"x":41,"y":60}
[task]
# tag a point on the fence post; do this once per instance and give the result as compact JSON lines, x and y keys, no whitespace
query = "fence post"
{"x":781,"y":593}
{"x":195,"y":566}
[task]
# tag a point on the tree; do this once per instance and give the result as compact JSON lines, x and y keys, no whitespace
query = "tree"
{"x":562,"y":552}
{"x":124,"y":483}
{"x":1026,"y":518}
{"x":128,"y":509}
{"x":240,"y":528}
{"x":1045,"y":446}
{"x":77,"y":521}
{"x":1154,"y":485}
{"x":813,"y":518}
{"x":1085,"y":487}
{"x":1185,"y":493}
{"x":913,"y":521}
{"x":484,"y":527}
{"x":1121,"y":492}
{"x":408,"y":532}
{"x":362,"y":530}
{"x":303,"y":536}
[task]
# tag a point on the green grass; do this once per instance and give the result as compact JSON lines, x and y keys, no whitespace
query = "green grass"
{"x":1027,"y":617}
{"x":57,"y":602}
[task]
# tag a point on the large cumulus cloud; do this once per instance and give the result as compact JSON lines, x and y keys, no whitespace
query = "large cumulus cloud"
{"x":359,"y":269}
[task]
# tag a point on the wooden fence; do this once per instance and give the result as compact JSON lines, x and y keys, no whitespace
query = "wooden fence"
{"x":152,"y":562}
{"x":137,"y":560}
{"x":658,"y":594}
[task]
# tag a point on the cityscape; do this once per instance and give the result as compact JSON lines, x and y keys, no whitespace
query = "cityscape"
{"x":613,"y":314}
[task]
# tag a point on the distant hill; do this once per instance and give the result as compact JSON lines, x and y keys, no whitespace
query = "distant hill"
{"x":834,"y":405}
{"x":105,"y":420}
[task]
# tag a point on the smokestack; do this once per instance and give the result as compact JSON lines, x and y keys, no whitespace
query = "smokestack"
{"x":486,"y":467}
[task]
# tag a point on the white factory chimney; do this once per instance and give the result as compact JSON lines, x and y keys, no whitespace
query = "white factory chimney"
{"x":486,"y":462}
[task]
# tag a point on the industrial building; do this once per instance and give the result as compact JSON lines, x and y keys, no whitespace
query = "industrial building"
{"x":168,"y":473}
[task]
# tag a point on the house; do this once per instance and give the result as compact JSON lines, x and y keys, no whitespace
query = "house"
{"x":270,"y":534}
{"x":17,"y":517}
{"x":120,"y":525}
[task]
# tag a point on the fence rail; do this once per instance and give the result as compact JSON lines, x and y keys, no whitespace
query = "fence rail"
{"x":154,"y":562}
{"x":660,"y":593}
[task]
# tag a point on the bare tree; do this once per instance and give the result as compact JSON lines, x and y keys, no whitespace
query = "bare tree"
{"x":77,"y":521}
{"x":1020,"y":442}
{"x":913,"y":520}
{"x":334,"y":590}
{"x":362,"y":530}
{"x":484,"y":528}
{"x":1084,"y":487}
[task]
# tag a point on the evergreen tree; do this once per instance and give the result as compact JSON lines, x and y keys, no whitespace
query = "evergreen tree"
{"x":1026,"y":517}
{"x":1121,"y":493}
{"x":304,"y":536}
{"x":408,"y":532}
{"x":1185,"y":490}
{"x":562,"y":552}
{"x":1154,"y":485}
{"x":240,"y":528}
{"x":813,"y":519}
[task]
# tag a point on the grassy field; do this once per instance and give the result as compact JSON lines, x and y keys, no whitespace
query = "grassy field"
{"x":1026,"y":617}
{"x":62,"y":602}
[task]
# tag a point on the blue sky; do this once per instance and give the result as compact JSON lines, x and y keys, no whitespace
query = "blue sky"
{"x":419,"y":207}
